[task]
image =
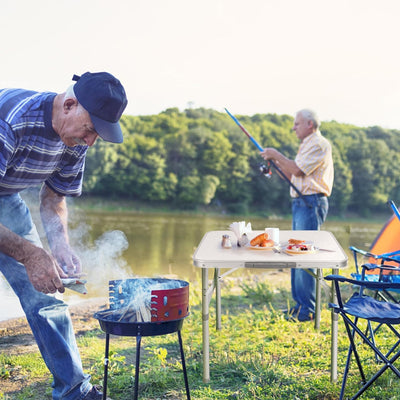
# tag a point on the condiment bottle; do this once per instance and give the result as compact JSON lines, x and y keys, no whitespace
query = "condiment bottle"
{"x":243,"y":240}
{"x":226,"y":242}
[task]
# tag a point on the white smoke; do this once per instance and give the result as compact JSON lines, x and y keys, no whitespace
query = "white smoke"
{"x":103,"y":261}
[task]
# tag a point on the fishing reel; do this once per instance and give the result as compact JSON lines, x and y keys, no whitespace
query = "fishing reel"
{"x":266,"y":170}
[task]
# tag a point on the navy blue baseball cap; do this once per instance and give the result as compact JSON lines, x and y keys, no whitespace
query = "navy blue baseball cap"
{"x":104,"y":98}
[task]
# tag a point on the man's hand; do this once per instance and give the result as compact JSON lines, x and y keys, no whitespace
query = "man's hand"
{"x":67,"y":259}
{"x":43,"y":271}
{"x":287,"y":166}
{"x":269,"y":153}
{"x":42,"y":268}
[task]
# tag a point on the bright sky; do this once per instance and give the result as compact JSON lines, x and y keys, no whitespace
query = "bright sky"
{"x":256,"y":56}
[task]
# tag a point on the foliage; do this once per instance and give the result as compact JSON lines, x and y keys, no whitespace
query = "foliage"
{"x":199,"y":157}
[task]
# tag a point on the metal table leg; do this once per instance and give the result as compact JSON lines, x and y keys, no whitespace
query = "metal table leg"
{"x":318,"y":302}
{"x":334,"y":332}
{"x":205,"y":310}
{"x":217,"y":284}
{"x":207,"y":292}
{"x":318,"y":284}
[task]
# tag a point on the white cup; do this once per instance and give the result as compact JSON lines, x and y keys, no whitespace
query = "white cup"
{"x":273,"y":234}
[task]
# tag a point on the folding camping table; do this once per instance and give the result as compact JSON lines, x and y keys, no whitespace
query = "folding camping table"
{"x":211,"y":255}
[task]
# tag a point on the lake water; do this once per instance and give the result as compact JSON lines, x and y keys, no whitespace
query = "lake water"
{"x":117,"y":245}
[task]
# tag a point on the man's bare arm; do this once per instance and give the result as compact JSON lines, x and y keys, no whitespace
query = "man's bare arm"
{"x":288,"y":167}
{"x":40,"y":266}
{"x":54,"y":214}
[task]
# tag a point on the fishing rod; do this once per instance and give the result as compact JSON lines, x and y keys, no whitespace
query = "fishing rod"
{"x":269,"y":161}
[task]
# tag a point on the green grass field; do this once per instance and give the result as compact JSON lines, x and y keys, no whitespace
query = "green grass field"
{"x":256,"y":355}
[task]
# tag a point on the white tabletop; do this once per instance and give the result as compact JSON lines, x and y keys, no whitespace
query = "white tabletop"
{"x":210,"y":253}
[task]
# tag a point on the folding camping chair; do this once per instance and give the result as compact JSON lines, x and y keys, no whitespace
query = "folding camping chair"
{"x":385,"y":271}
{"x":362,"y":307}
{"x":378,"y":268}
{"x":383,"y":267}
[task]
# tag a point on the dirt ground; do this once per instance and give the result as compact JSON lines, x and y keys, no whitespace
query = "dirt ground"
{"x":16,"y":338}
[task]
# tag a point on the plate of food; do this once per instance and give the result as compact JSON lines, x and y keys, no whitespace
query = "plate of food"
{"x":298,"y":246}
{"x":261,"y":242}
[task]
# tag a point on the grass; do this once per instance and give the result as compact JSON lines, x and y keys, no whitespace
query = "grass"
{"x":256,"y":355}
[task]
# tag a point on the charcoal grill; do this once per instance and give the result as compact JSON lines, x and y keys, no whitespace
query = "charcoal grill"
{"x":144,"y":307}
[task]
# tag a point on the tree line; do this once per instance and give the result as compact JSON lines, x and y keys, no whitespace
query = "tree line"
{"x":200,"y":158}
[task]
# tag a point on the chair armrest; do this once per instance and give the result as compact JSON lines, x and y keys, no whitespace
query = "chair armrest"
{"x":393,"y":257}
{"x":364,"y":253}
{"x":383,"y":267}
{"x":337,"y":278}
{"x":365,"y":284}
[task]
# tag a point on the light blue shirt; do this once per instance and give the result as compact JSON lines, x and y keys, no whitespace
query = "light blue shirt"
{"x":31,"y":152}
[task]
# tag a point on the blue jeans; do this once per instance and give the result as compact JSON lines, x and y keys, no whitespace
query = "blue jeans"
{"x":306,"y":217}
{"x":47,"y":316}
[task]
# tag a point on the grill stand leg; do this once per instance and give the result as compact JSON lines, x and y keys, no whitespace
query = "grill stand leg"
{"x":138,"y":341}
{"x":106,"y":367}
{"x":184,"y":366}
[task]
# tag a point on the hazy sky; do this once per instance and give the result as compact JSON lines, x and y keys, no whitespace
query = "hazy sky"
{"x":252,"y":56}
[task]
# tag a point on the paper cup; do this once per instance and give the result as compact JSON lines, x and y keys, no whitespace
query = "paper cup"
{"x":273,"y":234}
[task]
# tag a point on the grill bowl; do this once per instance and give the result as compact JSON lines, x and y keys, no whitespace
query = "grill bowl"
{"x":169,"y":299}
{"x":121,"y":328}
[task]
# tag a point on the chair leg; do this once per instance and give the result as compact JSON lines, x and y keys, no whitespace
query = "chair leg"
{"x":390,"y":296}
{"x":345,"y":372}
{"x":351,"y":334}
{"x":394,"y":347}
{"x":370,"y":332}
{"x":388,"y":363}
{"x":378,"y":374}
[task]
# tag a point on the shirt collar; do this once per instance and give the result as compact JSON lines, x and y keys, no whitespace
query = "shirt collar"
{"x":311,"y":136}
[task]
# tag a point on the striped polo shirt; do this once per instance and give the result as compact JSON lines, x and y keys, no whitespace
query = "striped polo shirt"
{"x":31,"y":152}
{"x":314,"y":158}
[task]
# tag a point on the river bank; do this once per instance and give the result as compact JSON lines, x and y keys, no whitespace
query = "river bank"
{"x":93,"y":203}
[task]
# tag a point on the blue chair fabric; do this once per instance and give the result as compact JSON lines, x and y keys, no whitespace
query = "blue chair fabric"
{"x":361,"y":307}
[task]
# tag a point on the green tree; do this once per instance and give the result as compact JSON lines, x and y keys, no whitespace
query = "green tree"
{"x":189,"y":191}
{"x":200,"y":157}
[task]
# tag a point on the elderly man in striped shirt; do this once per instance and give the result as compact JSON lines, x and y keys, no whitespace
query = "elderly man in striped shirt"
{"x":44,"y":138}
{"x":311,"y":172}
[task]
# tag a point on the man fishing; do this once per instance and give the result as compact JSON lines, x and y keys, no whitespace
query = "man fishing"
{"x":311,"y":172}
{"x":44,"y":138}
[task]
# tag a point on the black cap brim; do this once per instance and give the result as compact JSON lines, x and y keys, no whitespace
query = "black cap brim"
{"x":108,"y":131}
